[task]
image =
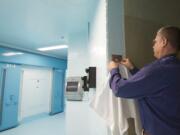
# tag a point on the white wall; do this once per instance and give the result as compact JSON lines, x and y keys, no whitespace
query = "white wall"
{"x":78,"y":57}
{"x":98,"y":58}
{"x":90,"y":50}
{"x":84,"y":51}
{"x":98,"y":43}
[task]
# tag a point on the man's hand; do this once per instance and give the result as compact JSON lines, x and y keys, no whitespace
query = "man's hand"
{"x":126,"y":62}
{"x":112,"y":65}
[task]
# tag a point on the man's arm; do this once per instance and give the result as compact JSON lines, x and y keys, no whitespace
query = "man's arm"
{"x":134,"y":70}
{"x":129,"y":65}
{"x":144,"y":83}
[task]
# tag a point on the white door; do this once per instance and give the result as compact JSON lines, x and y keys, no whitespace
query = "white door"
{"x":35,"y":94}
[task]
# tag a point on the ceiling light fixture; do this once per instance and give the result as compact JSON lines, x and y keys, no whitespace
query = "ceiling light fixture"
{"x":53,"y":48}
{"x":12,"y":53}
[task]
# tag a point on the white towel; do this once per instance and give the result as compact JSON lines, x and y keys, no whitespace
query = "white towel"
{"x":116,"y":111}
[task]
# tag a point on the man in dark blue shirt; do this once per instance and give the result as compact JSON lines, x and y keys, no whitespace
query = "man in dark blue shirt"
{"x":156,"y":86}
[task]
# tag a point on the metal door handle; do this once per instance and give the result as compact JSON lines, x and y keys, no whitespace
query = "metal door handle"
{"x":11,"y":100}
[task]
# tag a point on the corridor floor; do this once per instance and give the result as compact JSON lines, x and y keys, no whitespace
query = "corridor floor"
{"x":45,"y":125}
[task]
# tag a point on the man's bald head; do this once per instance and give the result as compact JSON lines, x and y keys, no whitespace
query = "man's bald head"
{"x":172,"y":34}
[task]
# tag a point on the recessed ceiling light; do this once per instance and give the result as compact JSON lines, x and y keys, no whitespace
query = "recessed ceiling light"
{"x":53,"y":48}
{"x":12,"y":53}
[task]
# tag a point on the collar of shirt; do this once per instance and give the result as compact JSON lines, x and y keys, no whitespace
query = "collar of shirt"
{"x":167,"y":57}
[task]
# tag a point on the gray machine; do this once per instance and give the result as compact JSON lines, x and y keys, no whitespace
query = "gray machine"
{"x":74,"y":88}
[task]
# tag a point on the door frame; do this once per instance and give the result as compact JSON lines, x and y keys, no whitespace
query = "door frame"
{"x":24,"y":67}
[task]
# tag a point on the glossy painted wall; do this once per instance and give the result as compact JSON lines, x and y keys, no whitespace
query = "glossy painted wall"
{"x":32,"y":59}
{"x":10,"y":83}
{"x":88,"y":49}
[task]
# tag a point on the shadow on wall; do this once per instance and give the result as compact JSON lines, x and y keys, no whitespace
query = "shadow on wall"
{"x":139,"y":35}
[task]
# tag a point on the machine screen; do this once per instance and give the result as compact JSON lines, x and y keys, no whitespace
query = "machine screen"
{"x":72,"y":86}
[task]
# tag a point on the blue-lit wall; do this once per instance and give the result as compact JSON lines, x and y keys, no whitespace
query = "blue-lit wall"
{"x":10,"y":81}
{"x":32,"y":59}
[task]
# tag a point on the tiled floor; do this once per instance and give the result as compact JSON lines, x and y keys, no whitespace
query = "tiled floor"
{"x":78,"y":119}
{"x":46,"y":125}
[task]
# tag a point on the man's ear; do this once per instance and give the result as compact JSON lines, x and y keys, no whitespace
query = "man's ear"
{"x":164,"y":41}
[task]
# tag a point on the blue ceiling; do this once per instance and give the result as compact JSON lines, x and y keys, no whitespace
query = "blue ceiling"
{"x":30,"y":24}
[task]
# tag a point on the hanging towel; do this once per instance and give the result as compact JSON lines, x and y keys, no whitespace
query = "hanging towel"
{"x":121,"y":115}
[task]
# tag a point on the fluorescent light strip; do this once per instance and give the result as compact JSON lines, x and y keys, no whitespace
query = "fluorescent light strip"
{"x":12,"y":53}
{"x":53,"y":48}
